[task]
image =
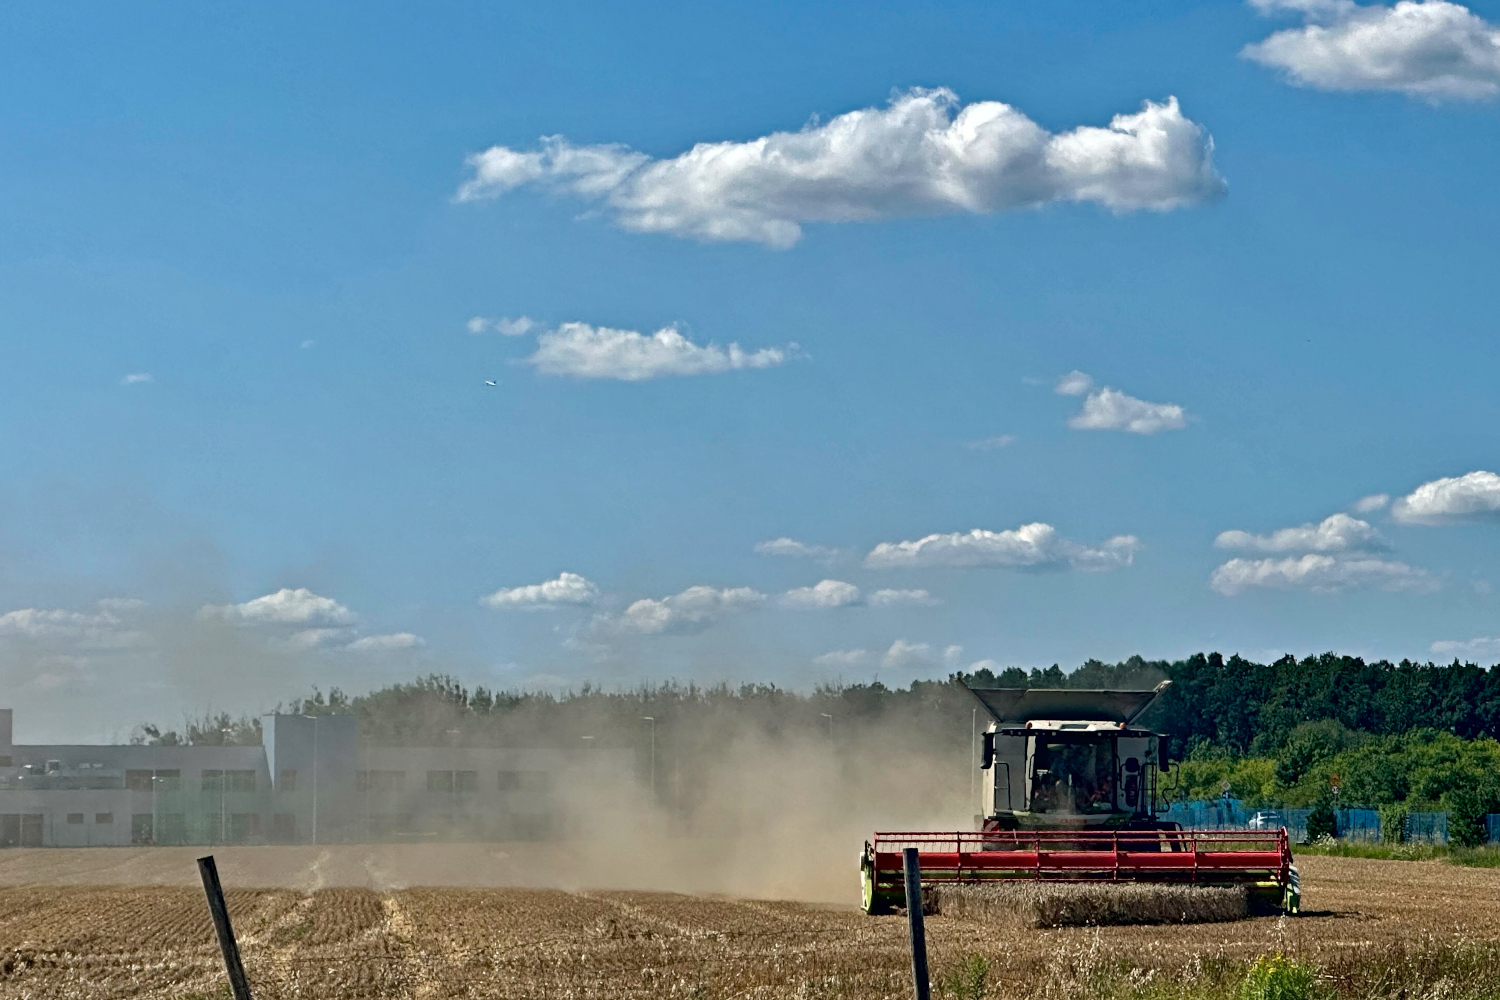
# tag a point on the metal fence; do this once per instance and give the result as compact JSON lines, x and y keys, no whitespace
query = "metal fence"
{"x":1353,"y":824}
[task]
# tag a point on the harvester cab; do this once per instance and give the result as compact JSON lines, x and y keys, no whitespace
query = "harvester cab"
{"x":1070,"y":795}
{"x":1068,"y":759}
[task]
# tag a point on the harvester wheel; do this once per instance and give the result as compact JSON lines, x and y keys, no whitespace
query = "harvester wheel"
{"x":871,"y":902}
{"x":1291,"y":900}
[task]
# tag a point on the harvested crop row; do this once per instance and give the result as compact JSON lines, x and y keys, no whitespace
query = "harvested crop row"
{"x":1372,"y":928}
{"x":1062,"y":904}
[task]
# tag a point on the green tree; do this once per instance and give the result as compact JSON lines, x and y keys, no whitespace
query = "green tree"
{"x":1310,"y":744}
{"x":1467,"y":808}
{"x":1323,"y":821}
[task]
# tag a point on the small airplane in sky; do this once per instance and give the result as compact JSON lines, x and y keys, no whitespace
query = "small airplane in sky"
{"x":490,"y":382}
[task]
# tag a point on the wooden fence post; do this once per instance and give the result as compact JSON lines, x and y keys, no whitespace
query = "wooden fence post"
{"x":912,"y":869}
{"x":220,"y":912}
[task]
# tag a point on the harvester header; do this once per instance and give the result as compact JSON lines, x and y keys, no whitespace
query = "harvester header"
{"x":1070,"y":793}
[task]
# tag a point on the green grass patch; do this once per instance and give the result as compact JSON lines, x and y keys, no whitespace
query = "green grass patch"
{"x":1469,"y":857}
{"x":1405,"y":970}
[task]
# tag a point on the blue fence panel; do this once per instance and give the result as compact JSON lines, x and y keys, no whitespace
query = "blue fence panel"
{"x":1359,"y":824}
{"x":1232,"y":814}
{"x":1492,"y":821}
{"x":1427,"y":828}
{"x":1353,"y":824}
{"x":1209,"y":814}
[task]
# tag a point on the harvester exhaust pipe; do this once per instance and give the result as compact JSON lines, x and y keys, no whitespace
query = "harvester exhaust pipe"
{"x":912,"y":868}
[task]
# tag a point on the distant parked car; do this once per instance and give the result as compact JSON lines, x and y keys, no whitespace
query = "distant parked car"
{"x":1266,"y":821}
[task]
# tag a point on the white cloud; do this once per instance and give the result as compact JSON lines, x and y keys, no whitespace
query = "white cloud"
{"x":1372,"y":503}
{"x":517,"y":327}
{"x":1319,"y":573}
{"x":911,"y":654}
{"x":1457,"y":498}
{"x":568,"y":588}
{"x":1031,"y":546}
{"x":992,"y":443}
{"x":585,"y":351}
{"x":1484,"y":645}
{"x":922,"y":155}
{"x":1075,"y":383}
{"x":312,"y":638}
{"x":1107,"y":409}
{"x":386,"y":643}
{"x":844,"y":658}
{"x":888,"y":598}
{"x":690,"y":611}
{"x":1428,"y":48}
{"x":137,"y":378}
{"x":825,"y":594}
{"x":794,"y":549}
{"x":109,"y":626}
{"x":285,"y":607}
{"x":906,"y":654}
{"x":1339,"y":533}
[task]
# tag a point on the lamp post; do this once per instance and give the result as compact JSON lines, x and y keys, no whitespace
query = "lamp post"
{"x":647,"y":718}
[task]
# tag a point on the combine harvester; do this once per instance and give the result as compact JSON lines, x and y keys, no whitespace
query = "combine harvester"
{"x":1070,"y":793}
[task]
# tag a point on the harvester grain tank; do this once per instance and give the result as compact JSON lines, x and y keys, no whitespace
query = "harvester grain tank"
{"x":1070,"y":794}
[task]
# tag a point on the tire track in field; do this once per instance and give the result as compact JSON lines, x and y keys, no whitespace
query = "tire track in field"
{"x":401,"y":932}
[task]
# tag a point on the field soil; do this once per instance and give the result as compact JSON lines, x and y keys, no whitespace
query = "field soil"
{"x":435,"y":922}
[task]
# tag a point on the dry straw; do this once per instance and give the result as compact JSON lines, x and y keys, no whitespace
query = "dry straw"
{"x":1063,"y":904}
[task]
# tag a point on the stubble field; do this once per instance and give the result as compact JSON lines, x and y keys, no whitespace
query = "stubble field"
{"x":80,"y":924}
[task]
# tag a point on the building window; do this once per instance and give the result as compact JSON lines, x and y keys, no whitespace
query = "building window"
{"x":440,"y":781}
{"x":138,"y":781}
{"x":75,"y":818}
{"x":466,"y":781}
{"x":288,"y":780}
{"x":244,"y":827}
{"x":380,"y":781}
{"x":104,"y":819}
{"x":240,"y":781}
{"x":168,"y":781}
{"x":283,"y":828}
{"x":530,"y":781}
{"x":213,"y":781}
{"x":173,"y":829}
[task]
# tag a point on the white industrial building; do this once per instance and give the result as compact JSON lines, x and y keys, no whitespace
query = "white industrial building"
{"x":310,"y":782}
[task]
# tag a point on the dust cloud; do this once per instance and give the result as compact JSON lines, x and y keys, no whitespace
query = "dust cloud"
{"x":739,"y":809}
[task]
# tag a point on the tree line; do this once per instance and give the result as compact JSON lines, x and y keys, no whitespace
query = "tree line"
{"x":1232,"y":705}
{"x":1392,"y":732}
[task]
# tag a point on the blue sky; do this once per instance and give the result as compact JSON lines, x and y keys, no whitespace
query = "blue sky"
{"x":261,"y":212}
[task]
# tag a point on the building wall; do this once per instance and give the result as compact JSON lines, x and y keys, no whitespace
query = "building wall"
{"x":309,"y":783}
